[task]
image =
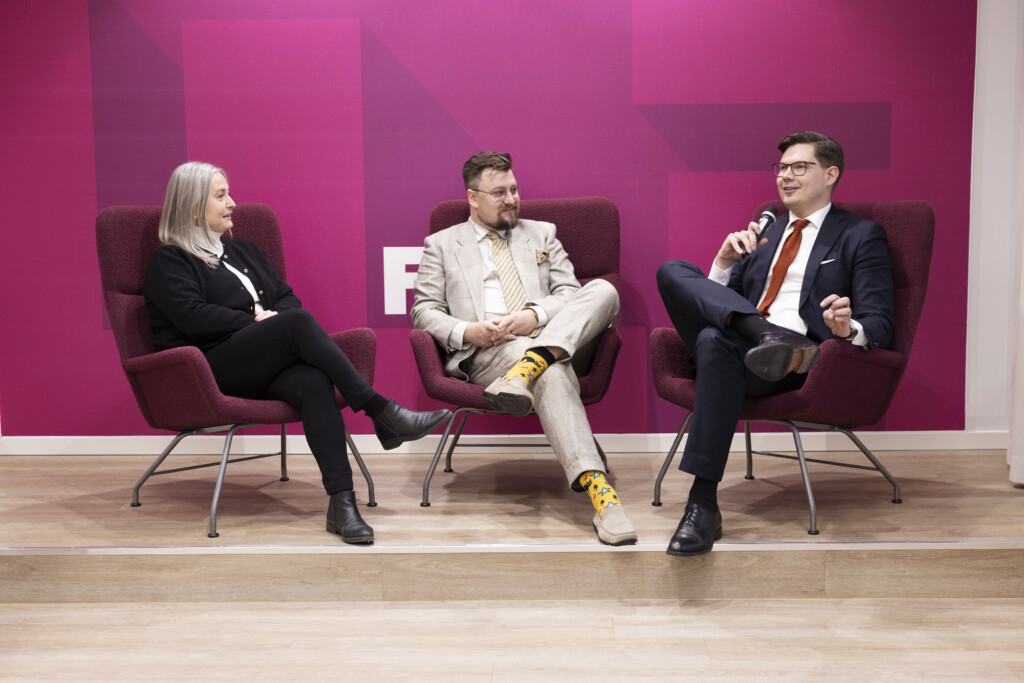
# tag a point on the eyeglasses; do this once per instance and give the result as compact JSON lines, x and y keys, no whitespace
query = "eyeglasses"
{"x":500,"y":193}
{"x":798,"y":167}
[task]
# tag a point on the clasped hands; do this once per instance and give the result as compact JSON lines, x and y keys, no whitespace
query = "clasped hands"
{"x":493,"y":332}
{"x":838,"y":312}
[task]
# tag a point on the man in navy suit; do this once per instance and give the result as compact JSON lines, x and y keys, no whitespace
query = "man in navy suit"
{"x":753,"y":324}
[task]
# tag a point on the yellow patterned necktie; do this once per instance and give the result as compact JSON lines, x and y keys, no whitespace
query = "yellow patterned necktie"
{"x":511,"y":285}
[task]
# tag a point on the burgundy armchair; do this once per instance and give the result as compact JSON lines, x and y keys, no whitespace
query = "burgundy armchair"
{"x":588,"y":228}
{"x":175,"y":388}
{"x":848,"y":388}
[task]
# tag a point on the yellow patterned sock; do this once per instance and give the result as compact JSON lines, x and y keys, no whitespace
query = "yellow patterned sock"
{"x":529,"y":368}
{"x":602,"y":495}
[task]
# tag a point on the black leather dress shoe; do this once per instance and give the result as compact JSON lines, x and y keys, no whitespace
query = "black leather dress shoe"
{"x":779,"y":354}
{"x":343,"y":519}
{"x":396,"y":425}
{"x":697,"y":531}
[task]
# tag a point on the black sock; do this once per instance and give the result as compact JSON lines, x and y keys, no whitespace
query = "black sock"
{"x":375,"y":406}
{"x":751,"y":325}
{"x":704,"y":492}
{"x":543,"y":353}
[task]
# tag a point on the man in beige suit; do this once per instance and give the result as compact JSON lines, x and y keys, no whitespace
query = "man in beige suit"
{"x":499,"y":295}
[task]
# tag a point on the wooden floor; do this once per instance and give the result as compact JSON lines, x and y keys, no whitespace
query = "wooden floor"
{"x":503,"y":579}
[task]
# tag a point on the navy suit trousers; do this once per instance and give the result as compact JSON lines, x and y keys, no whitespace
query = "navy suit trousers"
{"x":699,"y":309}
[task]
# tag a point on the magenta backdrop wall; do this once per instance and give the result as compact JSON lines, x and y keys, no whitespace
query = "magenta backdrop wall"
{"x":352,"y":119}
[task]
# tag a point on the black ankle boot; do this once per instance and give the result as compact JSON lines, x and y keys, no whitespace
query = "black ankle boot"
{"x":343,"y":519}
{"x":396,"y":425}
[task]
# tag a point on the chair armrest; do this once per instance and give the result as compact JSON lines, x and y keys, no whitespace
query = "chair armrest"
{"x":175,"y":389}
{"x":427,"y":354}
{"x":360,"y":345}
{"x":594,"y":384}
{"x":436,"y":383}
{"x":669,"y":355}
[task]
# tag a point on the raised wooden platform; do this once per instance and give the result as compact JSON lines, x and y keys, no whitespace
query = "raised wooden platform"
{"x":504,"y":527}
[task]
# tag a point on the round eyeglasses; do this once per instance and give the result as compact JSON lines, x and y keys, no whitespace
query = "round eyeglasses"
{"x":797,"y":167}
{"x":500,"y":193}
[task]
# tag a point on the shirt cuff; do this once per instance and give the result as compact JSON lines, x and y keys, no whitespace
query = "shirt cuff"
{"x":542,"y":317}
{"x":718,"y":275}
{"x":457,"y":336}
{"x":861,"y":339}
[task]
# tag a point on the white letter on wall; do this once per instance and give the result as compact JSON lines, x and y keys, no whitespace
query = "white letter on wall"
{"x":396,"y":280}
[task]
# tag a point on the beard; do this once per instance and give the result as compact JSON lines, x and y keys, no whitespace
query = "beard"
{"x":508,"y":218}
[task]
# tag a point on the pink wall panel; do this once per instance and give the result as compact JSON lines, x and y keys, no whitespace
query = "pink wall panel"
{"x":278,"y":105}
{"x":58,"y":375}
{"x":351,"y":118}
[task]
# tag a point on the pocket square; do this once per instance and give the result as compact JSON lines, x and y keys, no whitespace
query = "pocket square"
{"x":829,"y":261}
{"x":542,"y":256}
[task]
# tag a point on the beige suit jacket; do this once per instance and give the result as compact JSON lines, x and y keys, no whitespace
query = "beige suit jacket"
{"x":449,"y":285}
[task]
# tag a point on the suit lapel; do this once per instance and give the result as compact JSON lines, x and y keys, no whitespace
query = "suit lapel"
{"x":471,"y":263}
{"x":525,"y":258}
{"x":827,"y":236}
{"x":760,"y":267}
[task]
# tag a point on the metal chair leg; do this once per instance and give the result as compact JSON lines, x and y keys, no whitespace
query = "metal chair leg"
{"x":372,"y":503}
{"x":156,"y":463}
{"x":668,"y":460}
{"x":284,"y":453}
{"x":813,"y":528}
{"x":220,"y":480}
{"x":874,"y":461}
{"x":437,"y":457}
{"x":455,"y":440}
{"x":750,"y":451}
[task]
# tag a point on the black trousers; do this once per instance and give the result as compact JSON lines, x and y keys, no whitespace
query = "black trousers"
{"x":699,"y":308}
{"x":289,"y":357}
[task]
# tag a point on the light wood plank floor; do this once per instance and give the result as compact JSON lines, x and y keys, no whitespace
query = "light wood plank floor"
{"x":83,"y":501}
{"x":577,"y":640}
{"x":62,"y":503}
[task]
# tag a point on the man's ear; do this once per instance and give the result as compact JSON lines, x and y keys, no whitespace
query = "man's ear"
{"x":832,"y":176}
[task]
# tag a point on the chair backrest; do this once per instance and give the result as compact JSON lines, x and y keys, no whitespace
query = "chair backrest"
{"x":125,"y":239}
{"x":910,"y":227}
{"x":588,"y":228}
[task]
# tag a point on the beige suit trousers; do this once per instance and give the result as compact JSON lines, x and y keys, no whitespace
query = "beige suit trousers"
{"x":556,"y":392}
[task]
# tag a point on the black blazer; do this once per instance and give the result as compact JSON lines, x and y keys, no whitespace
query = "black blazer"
{"x":192,"y":304}
{"x":850,"y":258}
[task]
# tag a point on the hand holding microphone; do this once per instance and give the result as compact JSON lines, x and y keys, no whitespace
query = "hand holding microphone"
{"x":739,"y":244}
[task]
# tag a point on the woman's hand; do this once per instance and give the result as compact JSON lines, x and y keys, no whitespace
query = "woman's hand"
{"x":263,"y":315}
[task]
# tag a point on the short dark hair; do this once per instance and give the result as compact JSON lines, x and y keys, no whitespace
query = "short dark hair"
{"x":478,"y":163}
{"x":827,"y":151}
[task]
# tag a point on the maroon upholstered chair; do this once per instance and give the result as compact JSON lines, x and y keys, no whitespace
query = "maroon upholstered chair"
{"x":588,"y":228}
{"x":848,"y":388}
{"x":175,"y":389}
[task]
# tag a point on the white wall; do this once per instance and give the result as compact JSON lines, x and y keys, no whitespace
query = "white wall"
{"x":992,"y":317}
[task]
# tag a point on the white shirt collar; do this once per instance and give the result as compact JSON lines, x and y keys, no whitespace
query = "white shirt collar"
{"x":816,"y":218}
{"x":481,"y":233}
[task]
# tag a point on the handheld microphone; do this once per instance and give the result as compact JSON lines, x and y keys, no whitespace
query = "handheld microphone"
{"x":768,"y":217}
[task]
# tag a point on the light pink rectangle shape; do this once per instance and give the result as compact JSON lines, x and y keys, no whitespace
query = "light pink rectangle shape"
{"x":278,"y":105}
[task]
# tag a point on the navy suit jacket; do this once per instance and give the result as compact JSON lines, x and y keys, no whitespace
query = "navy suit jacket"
{"x":850,"y":258}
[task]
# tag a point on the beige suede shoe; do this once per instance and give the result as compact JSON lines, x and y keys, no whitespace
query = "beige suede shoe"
{"x":614,"y":526}
{"x":509,"y":396}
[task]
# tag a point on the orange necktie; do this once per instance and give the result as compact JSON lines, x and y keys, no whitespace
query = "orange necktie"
{"x":789,"y":249}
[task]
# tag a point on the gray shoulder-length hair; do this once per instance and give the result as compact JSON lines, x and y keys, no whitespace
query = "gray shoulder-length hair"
{"x":183,"y":220}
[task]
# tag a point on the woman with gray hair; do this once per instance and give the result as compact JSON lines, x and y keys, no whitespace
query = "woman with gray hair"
{"x":225,"y":297}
